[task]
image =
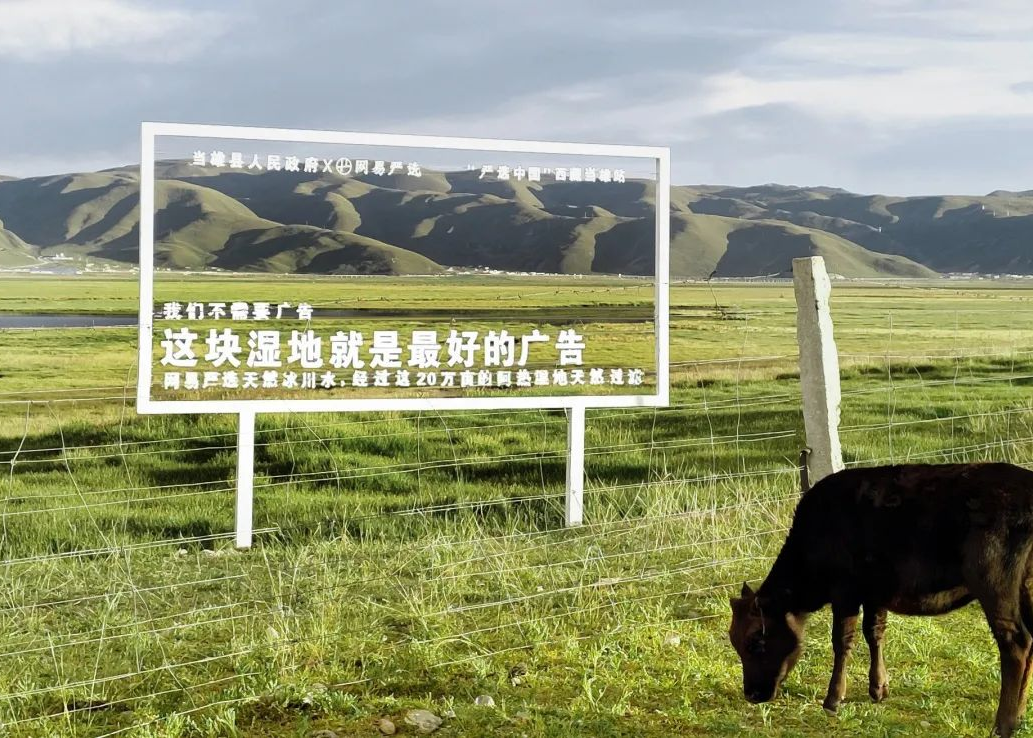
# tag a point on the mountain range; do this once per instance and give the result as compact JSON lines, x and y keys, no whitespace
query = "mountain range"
{"x":292,"y":222}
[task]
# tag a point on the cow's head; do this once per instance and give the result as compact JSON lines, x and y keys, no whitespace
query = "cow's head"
{"x":769,"y":641}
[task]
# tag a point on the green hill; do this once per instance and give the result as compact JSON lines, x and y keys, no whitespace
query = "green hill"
{"x":13,"y":251}
{"x":309,"y":250}
{"x":219,"y":218}
{"x":51,"y":211}
{"x":988,"y":234}
{"x":198,"y":227}
{"x":702,"y":245}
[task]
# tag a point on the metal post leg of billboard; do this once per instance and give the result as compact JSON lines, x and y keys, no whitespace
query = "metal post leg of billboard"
{"x":574,"y":510}
{"x":245,"y":479}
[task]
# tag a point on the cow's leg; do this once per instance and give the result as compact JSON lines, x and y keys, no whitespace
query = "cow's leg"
{"x":1014,"y":642}
{"x":844,"y":624}
{"x":1026,"y":611}
{"x":874,"y":627}
{"x":1024,"y":686}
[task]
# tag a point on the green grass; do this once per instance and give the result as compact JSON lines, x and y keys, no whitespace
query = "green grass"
{"x":418,"y":559}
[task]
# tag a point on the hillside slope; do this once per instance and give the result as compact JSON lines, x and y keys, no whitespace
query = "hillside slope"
{"x":196,"y":227}
{"x":705,"y":245}
{"x":13,"y":251}
{"x":216,"y":218}
{"x":988,"y":234}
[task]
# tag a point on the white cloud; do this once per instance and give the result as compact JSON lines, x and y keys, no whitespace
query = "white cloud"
{"x":611,"y":110}
{"x":989,"y":17}
{"x":39,"y":30}
{"x":883,"y":82}
{"x":882,"y":78}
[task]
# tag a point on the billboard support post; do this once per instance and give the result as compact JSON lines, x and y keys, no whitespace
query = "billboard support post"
{"x":245,"y":479}
{"x":574,"y":509}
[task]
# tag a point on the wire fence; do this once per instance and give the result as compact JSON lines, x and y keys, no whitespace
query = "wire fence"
{"x":409,"y":551}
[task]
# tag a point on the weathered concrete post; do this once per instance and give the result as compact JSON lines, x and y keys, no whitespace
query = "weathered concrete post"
{"x":819,"y":367}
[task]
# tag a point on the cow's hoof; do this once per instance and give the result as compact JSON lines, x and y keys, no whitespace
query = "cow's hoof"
{"x":879,"y":692}
{"x":831,"y":706}
{"x":1002,"y":731}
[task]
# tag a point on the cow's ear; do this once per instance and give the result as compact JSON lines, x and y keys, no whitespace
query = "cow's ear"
{"x":746,"y":591}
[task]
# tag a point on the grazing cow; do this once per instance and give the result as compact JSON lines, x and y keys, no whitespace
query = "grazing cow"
{"x":914,"y":539}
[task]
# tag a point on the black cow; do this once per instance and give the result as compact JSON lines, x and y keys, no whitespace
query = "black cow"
{"x":914,"y":539}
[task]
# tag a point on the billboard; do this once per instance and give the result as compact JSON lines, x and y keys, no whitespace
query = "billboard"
{"x":293,"y":270}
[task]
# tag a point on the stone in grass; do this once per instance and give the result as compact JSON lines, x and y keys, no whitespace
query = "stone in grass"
{"x":673,"y":640}
{"x":324,"y":734}
{"x":424,"y":721}
{"x":485,"y":700}
{"x":386,"y":727}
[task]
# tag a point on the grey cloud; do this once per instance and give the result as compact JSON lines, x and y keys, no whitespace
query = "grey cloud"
{"x":775,"y":143}
{"x":956,"y":158}
{"x":786,"y":144}
{"x":345,"y":65}
{"x":468,"y":67}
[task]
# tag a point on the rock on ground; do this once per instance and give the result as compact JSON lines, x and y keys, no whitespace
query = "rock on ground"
{"x":424,"y":721}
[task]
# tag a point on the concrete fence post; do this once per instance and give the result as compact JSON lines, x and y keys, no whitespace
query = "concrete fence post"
{"x":819,"y":367}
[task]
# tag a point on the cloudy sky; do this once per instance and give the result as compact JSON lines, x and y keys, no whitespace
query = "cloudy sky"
{"x":892,"y":96}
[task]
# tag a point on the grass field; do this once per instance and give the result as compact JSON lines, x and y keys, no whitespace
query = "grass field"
{"x":418,"y":560}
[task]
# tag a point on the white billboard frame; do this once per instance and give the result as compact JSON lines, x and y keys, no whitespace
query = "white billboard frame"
{"x":246,"y":409}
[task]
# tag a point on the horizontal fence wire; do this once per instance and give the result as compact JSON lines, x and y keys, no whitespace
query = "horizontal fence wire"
{"x":105,"y":636}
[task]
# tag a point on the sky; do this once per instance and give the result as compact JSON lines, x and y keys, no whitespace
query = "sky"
{"x":903,"y":97}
